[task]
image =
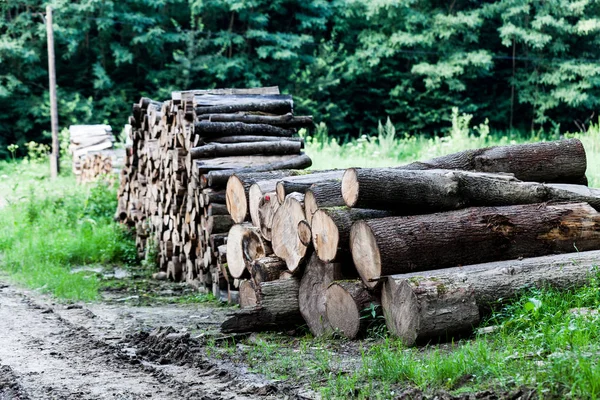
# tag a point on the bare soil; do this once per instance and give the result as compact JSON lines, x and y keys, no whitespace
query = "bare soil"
{"x":50,"y":350}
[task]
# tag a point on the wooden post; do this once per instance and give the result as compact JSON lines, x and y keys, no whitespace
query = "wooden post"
{"x":54,"y":158}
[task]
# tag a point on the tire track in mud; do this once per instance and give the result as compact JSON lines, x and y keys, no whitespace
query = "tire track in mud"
{"x":44,"y":355}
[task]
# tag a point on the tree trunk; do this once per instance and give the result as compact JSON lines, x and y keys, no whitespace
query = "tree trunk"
{"x":277,"y":309}
{"x":331,"y":228}
{"x":286,"y":243}
{"x":561,"y":161}
{"x":303,"y":182}
{"x":270,"y":106}
{"x":244,"y":245}
{"x":212,"y":150}
{"x":394,"y":245}
{"x":250,"y":139}
{"x":286,"y":121}
{"x":252,"y":163}
{"x":315,"y":280}
{"x":322,"y":194}
{"x":267,"y":269}
{"x":351,"y":308}
{"x":418,"y":192}
{"x":219,"y":178}
{"x":428,"y":308}
{"x":304,"y":233}
{"x":263,"y":212}
{"x":208,"y":129}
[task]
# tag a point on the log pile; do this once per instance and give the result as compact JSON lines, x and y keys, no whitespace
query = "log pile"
{"x":183,"y":151}
{"x":430,"y":245}
{"x":104,"y":164}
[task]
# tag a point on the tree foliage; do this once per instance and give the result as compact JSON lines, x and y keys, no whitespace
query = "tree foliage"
{"x":523,"y":64}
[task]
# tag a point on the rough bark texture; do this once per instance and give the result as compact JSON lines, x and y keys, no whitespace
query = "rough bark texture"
{"x":212,"y":150}
{"x":286,"y":243}
{"x":502,"y":280}
{"x":322,"y":194}
{"x":219,"y":178}
{"x":416,"y":192}
{"x":301,"y":183}
{"x":286,"y":121}
{"x":277,"y":309}
{"x":428,"y":308}
{"x":250,"y":139}
{"x":351,"y":308}
{"x":561,"y":161}
{"x":394,"y":245}
{"x":315,"y":280}
{"x":271,"y":104}
{"x":331,"y":228}
{"x":267,"y":269}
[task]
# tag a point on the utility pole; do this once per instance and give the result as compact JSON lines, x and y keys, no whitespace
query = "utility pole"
{"x":54,"y":157}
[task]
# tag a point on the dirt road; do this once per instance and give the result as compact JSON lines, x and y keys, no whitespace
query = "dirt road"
{"x":100,"y":351}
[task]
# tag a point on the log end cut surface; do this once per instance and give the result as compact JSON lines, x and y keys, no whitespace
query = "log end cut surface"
{"x":350,"y":187}
{"x":365,"y":253}
{"x":237,"y":204}
{"x":401,"y":310}
{"x":342,"y":313}
{"x":325,"y":236}
{"x":286,"y":243}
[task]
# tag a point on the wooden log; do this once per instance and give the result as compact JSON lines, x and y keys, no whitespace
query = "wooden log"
{"x":301,"y":183}
{"x":208,"y":129}
{"x":244,"y":245}
{"x":267,"y":269}
{"x":279,"y":105}
{"x":219,"y":178}
{"x":277,"y":309}
{"x":561,"y":161}
{"x":392,"y":245}
{"x":285,"y":241}
{"x":322,"y":194}
{"x":250,"y":139}
{"x":216,"y":209}
{"x":286,"y":121}
{"x":242,"y":163}
{"x":331,"y":226}
{"x":304,"y":233}
{"x":418,"y":192}
{"x":311,"y":296}
{"x":248,"y":297}
{"x":350,"y":308}
{"x":211,"y":150}
{"x":264,"y":212}
{"x":428,"y":308}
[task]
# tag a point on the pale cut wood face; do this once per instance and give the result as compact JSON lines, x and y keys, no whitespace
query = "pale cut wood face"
{"x":365,"y":253}
{"x":350,"y":187}
{"x":325,"y":236}
{"x":342,"y":312}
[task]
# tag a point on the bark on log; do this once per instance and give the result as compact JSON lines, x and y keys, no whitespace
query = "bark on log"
{"x":219,"y":178}
{"x":243,"y":162}
{"x":322,"y":194}
{"x":349,"y":307}
{"x":256,"y":104}
{"x":331,"y":226}
{"x":285,"y":241}
{"x":267,"y":269}
{"x":394,"y":245}
{"x":428,"y":308}
{"x":418,"y":192}
{"x":301,"y":183}
{"x":286,"y":121}
{"x":250,"y":139}
{"x":561,"y":161}
{"x":277,"y":309}
{"x":212,"y":150}
{"x":316,"y":278}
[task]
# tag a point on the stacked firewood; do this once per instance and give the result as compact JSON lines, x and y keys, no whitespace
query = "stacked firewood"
{"x":183,"y":151}
{"x":84,"y":139}
{"x":430,"y":245}
{"x":104,"y":164}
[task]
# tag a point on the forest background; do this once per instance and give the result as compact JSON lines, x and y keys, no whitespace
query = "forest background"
{"x":524,"y":65}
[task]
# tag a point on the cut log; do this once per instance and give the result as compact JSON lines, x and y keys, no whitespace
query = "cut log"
{"x":303,"y":182}
{"x":287,"y":121}
{"x":251,"y":139}
{"x":285,"y":241}
{"x":267,"y":207}
{"x":244,"y":245}
{"x":561,"y":161}
{"x":248,"y":297}
{"x":274,"y":104}
{"x":212,"y":150}
{"x":322,"y":194}
{"x":242,"y":162}
{"x":331,"y":226}
{"x":219,"y":178}
{"x":315,"y":280}
{"x":277,"y":309}
{"x":417,"y":192}
{"x":392,"y":245}
{"x":428,"y":308}
{"x":267,"y":269}
{"x":304,"y":233}
{"x":350,"y":308}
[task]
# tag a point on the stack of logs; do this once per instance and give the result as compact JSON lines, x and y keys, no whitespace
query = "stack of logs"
{"x":430,"y":245}
{"x":92,"y":149}
{"x":105,"y":164}
{"x":183,"y":151}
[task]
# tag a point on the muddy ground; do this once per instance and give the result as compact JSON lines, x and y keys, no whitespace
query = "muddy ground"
{"x":133,"y":346}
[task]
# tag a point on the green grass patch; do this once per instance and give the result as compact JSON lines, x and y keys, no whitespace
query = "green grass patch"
{"x":47,"y":227}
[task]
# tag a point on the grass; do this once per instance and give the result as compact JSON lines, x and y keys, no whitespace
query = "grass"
{"x":47,"y":227}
